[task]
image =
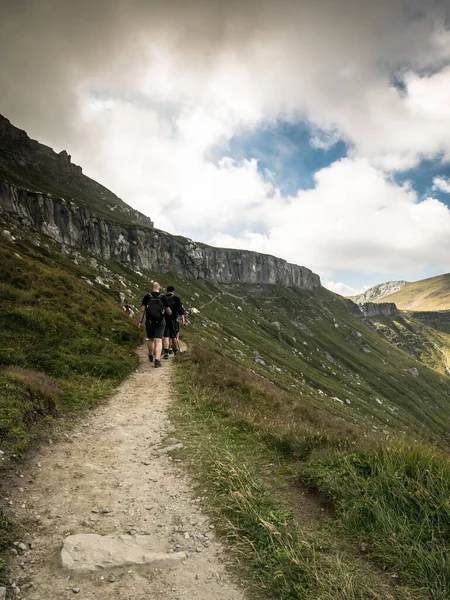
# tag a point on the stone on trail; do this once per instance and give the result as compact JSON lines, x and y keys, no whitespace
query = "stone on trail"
{"x":167,"y":449}
{"x":2,"y":593}
{"x":93,"y":552}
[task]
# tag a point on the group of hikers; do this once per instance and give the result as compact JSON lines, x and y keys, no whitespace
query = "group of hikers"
{"x":163,"y":314}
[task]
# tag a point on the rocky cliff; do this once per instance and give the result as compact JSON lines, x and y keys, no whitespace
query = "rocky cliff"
{"x":43,"y":190}
{"x":377,"y":292}
{"x":28,"y":164}
{"x":145,"y":247}
{"x":380,"y":309}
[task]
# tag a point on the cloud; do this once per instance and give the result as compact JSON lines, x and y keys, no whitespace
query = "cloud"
{"x":331,"y":61}
{"x":341,"y":288}
{"x":140,"y":92}
{"x":442,"y":184}
{"x":354,"y":219}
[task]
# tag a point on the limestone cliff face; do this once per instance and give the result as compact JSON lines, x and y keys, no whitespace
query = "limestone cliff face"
{"x":380,"y":309}
{"x":377,"y":292}
{"x":143,"y":246}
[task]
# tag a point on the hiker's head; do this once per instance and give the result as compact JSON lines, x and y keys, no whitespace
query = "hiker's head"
{"x":170,"y":289}
{"x":155,"y":286}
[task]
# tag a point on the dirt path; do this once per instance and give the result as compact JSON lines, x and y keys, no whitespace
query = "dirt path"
{"x":112,"y":476}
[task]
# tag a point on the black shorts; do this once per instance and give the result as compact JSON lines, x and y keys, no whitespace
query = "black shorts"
{"x":171,"y":329}
{"x":155,"y":330}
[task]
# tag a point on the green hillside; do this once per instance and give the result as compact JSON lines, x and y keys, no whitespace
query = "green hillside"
{"x":291,"y":378}
{"x":431,"y":294}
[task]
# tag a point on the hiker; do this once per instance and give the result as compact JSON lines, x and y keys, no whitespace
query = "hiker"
{"x":171,"y":333}
{"x":155,"y":307}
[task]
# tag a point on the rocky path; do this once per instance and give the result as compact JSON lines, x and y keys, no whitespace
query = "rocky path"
{"x":109,"y":514}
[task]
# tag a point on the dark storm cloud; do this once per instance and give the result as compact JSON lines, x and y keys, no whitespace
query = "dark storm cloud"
{"x":49,"y":48}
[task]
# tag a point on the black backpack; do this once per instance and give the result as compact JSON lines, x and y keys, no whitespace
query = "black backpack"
{"x":172,"y":304}
{"x":154,"y":311}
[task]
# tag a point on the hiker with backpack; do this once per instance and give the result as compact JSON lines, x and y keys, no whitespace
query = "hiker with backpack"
{"x":172,"y":323}
{"x":155,"y":307}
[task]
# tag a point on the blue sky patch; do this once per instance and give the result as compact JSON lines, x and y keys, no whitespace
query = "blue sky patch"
{"x":286,"y":150}
{"x":421,"y":178}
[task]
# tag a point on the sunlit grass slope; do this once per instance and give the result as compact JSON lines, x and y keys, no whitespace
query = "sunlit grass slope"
{"x":425,"y":295}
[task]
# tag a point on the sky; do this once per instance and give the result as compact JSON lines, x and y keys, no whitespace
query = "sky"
{"x":314,"y":131}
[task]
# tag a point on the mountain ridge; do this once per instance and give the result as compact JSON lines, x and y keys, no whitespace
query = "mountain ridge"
{"x":425,"y":295}
{"x":44,"y":190}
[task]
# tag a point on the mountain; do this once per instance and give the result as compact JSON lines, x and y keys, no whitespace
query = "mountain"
{"x":432,"y":294}
{"x":286,"y":326}
{"x":44,"y":190}
{"x":379,"y":292}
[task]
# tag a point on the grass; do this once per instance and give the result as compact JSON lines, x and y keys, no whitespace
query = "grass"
{"x":279,"y":386}
{"x":432,"y":294}
{"x":63,"y":345}
{"x":396,"y":500}
{"x":283,"y":546}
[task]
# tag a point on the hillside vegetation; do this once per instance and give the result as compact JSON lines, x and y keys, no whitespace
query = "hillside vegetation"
{"x":291,"y":404}
{"x":431,"y":294}
{"x":63,"y":345}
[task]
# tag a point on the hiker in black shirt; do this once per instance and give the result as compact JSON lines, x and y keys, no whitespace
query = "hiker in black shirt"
{"x":155,"y":307}
{"x":172,"y":322}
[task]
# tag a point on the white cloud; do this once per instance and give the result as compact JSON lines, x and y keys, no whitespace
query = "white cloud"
{"x":355,"y":219}
{"x":140,"y":97}
{"x":341,"y":288}
{"x":442,"y":184}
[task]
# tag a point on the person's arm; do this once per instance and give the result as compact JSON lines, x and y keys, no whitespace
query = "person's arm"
{"x":181,"y":311}
{"x":142,"y":313}
{"x":141,"y":317}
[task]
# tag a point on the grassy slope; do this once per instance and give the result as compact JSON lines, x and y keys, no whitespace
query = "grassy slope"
{"x":249,"y":445}
{"x":431,"y":294}
{"x":425,"y":336}
{"x":55,"y":324}
{"x":314,"y":399}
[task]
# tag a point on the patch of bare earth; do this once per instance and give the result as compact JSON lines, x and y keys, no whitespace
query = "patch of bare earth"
{"x":113,"y":477}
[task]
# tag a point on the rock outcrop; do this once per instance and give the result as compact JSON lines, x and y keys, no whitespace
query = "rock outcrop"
{"x":45,"y":191}
{"x":26,"y":163}
{"x":144,"y":246}
{"x":377,"y":292}
{"x":380,"y":309}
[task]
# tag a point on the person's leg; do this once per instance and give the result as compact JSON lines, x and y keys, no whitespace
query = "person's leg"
{"x":150,"y":344}
{"x":159,"y":332}
{"x":158,"y":348}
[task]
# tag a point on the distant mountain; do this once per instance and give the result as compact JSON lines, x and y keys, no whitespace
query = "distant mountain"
{"x":431,"y":294}
{"x":379,"y":292}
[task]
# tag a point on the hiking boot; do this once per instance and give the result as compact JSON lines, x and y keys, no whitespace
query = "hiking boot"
{"x":170,"y":351}
{"x":166,"y":355}
{"x":150,"y":357}
{"x":157,"y":363}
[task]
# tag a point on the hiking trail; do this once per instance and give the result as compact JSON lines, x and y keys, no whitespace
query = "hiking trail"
{"x":112,"y":476}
